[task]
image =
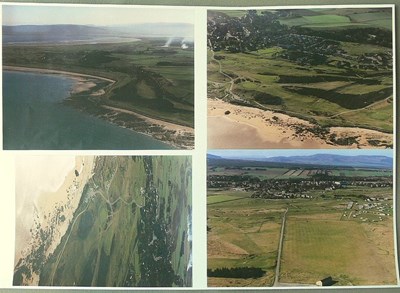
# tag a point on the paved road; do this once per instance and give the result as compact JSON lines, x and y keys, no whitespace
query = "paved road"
{"x":278,"y":261}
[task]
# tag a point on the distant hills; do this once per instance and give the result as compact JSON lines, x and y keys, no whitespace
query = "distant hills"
{"x":319,"y":159}
{"x":69,"y":32}
{"x":51,"y":33}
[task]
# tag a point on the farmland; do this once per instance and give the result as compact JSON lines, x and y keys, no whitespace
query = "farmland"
{"x":339,"y":224}
{"x":329,"y":68}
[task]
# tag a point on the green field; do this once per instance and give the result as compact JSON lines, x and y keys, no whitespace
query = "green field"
{"x":340,"y":18}
{"x":244,"y":233}
{"x":318,"y":20}
{"x":315,"y":249}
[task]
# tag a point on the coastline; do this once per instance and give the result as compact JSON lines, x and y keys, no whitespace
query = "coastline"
{"x":231,"y":126}
{"x":53,"y":71}
{"x":172,"y":134}
{"x":53,"y":211}
{"x":175,"y":135}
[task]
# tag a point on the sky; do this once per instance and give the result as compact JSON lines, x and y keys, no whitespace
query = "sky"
{"x":93,"y":15}
{"x":300,"y":152}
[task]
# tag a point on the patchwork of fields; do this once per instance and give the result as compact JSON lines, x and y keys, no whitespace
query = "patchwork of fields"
{"x":339,"y":224}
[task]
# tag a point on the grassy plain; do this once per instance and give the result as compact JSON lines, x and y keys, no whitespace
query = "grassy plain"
{"x":318,"y":246}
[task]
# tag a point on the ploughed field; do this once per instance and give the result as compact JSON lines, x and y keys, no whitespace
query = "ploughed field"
{"x":332,"y":67}
{"x":339,"y":224}
{"x":150,"y":78}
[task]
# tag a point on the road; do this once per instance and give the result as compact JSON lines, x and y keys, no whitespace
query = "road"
{"x":107,"y":200}
{"x":65,"y":244}
{"x":278,"y":261}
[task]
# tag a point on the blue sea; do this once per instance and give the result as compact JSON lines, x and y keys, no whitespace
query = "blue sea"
{"x":34,"y":118}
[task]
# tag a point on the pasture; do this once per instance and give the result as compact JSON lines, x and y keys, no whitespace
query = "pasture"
{"x":340,"y":18}
{"x":317,"y":247}
{"x":242,"y":233}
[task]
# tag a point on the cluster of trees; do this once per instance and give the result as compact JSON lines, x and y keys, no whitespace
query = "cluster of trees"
{"x":242,"y":272}
{"x":251,"y":32}
{"x":258,"y":30}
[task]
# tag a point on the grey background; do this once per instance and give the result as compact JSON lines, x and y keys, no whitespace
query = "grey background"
{"x":246,"y":3}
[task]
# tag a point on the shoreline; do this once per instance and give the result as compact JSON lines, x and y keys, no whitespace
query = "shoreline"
{"x":168,"y":125}
{"x":54,"y":71}
{"x":172,"y":134}
{"x":53,"y":213}
{"x":232,"y":126}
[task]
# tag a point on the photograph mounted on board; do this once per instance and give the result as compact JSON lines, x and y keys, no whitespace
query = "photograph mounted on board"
{"x":295,"y":218}
{"x":93,"y":77}
{"x":103,"y":221}
{"x":300,"y":78}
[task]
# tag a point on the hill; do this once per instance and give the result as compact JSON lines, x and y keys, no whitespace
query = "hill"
{"x":69,"y":32}
{"x":336,"y":160}
{"x":381,"y":162}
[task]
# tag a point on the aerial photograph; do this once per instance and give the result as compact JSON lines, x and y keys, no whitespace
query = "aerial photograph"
{"x":92,"y":77}
{"x":295,"y":218}
{"x":300,"y":78}
{"x":103,"y":221}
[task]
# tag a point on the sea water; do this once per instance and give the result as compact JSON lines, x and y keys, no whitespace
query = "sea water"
{"x":35,"y":118}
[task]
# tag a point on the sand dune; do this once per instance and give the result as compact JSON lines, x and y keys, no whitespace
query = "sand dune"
{"x":232,"y":126}
{"x":47,"y":190}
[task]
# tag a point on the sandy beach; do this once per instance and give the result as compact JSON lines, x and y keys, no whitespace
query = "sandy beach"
{"x":232,"y":126}
{"x":166,"y":125}
{"x":246,"y":127}
{"x":52,"y":71}
{"x":48,"y":192}
{"x":83,"y":82}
